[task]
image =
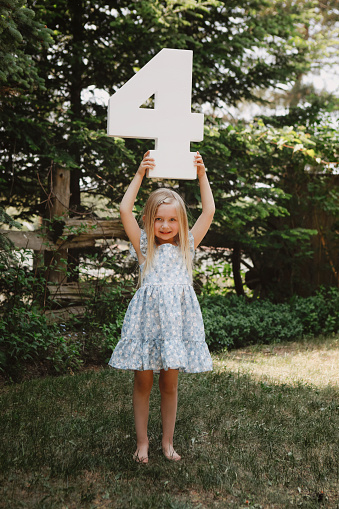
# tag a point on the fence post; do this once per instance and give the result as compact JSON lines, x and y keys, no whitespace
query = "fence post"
{"x":58,"y":207}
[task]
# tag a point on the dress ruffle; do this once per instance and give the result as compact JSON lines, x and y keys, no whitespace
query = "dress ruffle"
{"x":148,"y":354}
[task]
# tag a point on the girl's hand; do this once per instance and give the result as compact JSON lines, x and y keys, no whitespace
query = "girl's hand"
{"x":199,"y":163}
{"x":147,"y":163}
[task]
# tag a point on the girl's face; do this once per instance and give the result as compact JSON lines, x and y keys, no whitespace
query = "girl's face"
{"x":166,"y":224}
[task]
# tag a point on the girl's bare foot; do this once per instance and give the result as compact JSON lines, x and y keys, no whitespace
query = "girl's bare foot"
{"x":141,"y":454}
{"x":170,"y":453}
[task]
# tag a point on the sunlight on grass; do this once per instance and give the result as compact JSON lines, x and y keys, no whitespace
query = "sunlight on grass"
{"x":314,"y":362}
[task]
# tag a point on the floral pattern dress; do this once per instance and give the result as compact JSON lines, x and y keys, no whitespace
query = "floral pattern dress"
{"x":163,"y":326}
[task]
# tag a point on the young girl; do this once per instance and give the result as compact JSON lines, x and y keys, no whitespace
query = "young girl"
{"x":163,"y":328}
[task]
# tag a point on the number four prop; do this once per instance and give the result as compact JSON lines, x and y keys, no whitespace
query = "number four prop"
{"x":171,"y":123}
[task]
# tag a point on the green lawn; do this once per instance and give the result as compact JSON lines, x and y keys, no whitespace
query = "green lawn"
{"x":247,"y":440}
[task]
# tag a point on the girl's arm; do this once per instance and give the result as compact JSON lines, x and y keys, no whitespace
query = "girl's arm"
{"x":126,"y":206}
{"x":204,"y":221}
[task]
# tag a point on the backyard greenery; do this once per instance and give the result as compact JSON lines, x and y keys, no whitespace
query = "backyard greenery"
{"x":28,"y":341}
{"x":261,"y":430}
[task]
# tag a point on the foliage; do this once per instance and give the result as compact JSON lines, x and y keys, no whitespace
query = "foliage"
{"x":26,"y":334}
{"x":210,"y":279}
{"x":18,"y":284}
{"x":7,"y":219}
{"x":319,"y":314}
{"x":22,"y":36}
{"x":232,"y":322}
{"x":27,"y":339}
{"x":6,"y":246}
{"x":238,"y":48}
{"x":275,"y":201}
{"x":104,"y":320}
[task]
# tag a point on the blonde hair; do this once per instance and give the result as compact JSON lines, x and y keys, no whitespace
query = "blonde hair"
{"x":155,"y":199}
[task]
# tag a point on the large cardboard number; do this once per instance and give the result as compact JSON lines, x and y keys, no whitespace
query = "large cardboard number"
{"x":171,"y":123}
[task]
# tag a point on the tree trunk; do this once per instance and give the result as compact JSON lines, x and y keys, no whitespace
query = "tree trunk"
{"x":236,"y":260}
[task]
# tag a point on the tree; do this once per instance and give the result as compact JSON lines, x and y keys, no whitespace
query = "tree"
{"x":237,"y":49}
{"x":276,"y":205}
{"x":21,"y":36}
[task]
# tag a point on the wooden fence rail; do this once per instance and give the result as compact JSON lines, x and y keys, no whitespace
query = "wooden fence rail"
{"x":76,"y":233}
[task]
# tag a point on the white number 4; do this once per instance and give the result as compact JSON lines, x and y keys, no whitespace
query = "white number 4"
{"x":171,"y":123}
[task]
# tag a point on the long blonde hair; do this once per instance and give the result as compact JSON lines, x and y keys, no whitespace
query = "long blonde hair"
{"x":155,"y":199}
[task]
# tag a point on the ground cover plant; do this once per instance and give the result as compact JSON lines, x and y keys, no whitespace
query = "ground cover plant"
{"x":246,"y":441}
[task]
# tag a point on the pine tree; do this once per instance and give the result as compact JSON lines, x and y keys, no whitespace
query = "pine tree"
{"x":21,"y":36}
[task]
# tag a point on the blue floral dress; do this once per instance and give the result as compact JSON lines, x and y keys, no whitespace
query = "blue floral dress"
{"x":163,"y":326}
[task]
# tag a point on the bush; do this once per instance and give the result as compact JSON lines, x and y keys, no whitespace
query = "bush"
{"x":110,"y":305}
{"x":105,"y":317}
{"x":27,"y":338}
{"x":231,"y":321}
{"x":319,"y":314}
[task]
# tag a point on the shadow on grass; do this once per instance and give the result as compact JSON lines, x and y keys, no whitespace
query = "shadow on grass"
{"x":68,"y":442}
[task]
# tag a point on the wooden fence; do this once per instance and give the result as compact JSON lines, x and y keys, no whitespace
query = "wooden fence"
{"x":69,"y":297}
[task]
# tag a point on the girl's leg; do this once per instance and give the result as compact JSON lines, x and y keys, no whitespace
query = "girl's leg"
{"x":143,"y":381}
{"x":168,"y":383}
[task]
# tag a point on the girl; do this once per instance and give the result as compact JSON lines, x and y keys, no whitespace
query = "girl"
{"x":163,"y":328}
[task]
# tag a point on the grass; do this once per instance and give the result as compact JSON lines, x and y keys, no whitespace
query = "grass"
{"x":313,"y":361}
{"x":260,"y":431}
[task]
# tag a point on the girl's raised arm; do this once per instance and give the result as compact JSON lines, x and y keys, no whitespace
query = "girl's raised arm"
{"x":126,"y":206}
{"x":204,"y":221}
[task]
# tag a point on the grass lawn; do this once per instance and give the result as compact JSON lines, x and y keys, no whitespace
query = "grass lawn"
{"x":261,"y":431}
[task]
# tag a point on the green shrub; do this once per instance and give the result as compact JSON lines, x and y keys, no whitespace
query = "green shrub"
{"x":110,"y":304}
{"x":234,"y":322}
{"x":105,"y":317}
{"x":110,"y":336}
{"x":27,"y":338}
{"x":28,"y":341}
{"x":319,"y":314}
